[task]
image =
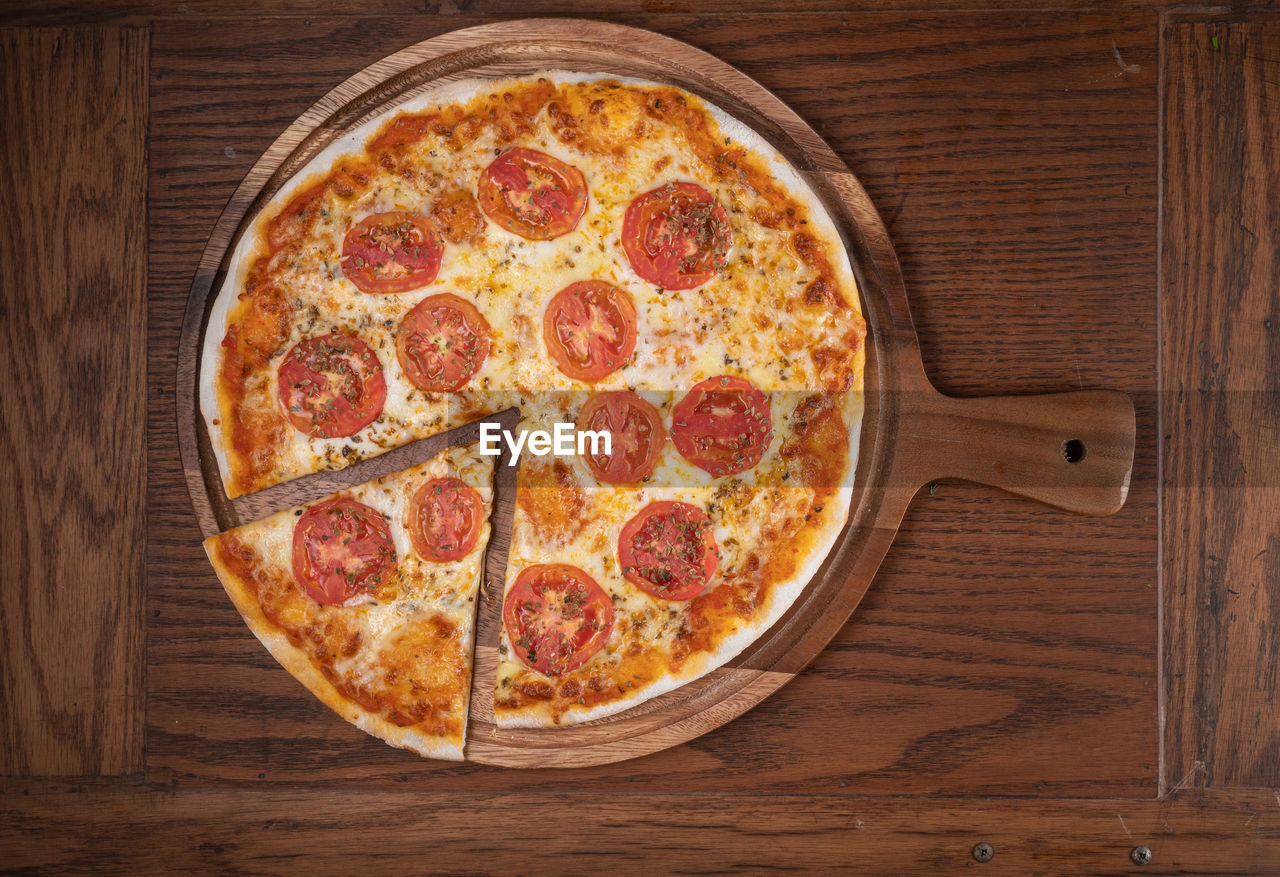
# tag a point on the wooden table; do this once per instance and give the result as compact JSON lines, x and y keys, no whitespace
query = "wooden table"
{"x":1078,"y":197}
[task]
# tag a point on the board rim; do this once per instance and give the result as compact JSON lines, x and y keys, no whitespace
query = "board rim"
{"x":879,"y":500}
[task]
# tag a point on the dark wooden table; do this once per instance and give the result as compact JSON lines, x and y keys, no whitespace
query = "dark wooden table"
{"x":1079,"y":198}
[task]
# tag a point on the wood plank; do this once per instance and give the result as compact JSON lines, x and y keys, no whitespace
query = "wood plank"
{"x":72,"y":465}
{"x":47,"y":12}
{"x":265,"y":829}
{"x":993,"y":655}
{"x":1220,"y":363}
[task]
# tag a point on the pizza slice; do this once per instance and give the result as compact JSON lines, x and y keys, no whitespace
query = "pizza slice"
{"x":368,"y":597}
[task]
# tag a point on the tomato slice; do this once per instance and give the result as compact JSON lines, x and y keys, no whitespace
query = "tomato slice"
{"x":722,"y":425}
{"x":669,"y":550}
{"x":391,"y":252}
{"x":532,"y":194}
{"x":636,"y":436}
{"x":442,"y":343}
{"x":445,"y":516}
{"x":590,"y":329}
{"x":676,"y":236}
{"x":331,"y":386}
{"x":340,"y":547}
{"x":556,"y":617}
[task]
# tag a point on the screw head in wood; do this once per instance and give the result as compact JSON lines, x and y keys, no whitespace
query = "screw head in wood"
{"x":983,"y":852}
{"x":1140,"y":855}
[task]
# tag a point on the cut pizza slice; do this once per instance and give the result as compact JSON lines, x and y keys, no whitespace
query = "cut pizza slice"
{"x":368,"y":597}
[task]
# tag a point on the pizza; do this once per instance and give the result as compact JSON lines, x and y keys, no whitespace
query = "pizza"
{"x":368,"y":597}
{"x":613,"y":257}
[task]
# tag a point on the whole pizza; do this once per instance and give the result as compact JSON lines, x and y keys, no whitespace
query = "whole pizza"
{"x":641,"y":276}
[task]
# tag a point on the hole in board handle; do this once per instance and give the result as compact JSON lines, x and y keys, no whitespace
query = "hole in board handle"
{"x":1073,"y":450}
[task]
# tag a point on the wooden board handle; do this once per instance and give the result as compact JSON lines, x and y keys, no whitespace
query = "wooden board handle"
{"x":1069,"y":450}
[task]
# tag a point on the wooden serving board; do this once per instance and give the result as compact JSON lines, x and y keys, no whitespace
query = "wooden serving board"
{"x":1072,"y":450}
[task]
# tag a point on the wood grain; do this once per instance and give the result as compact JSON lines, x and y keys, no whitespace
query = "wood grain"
{"x":272,"y":830}
{"x":1220,"y":362}
{"x":1004,"y":648}
{"x":968,"y":674}
{"x":72,"y":470}
{"x":1072,"y":451}
{"x":46,"y":12}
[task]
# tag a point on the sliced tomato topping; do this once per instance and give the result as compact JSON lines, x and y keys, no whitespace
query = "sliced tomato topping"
{"x":556,"y":617}
{"x":723,"y":425}
{"x":668,"y":550}
{"x":340,"y":548}
{"x":590,"y":329}
{"x":676,"y":236}
{"x":636,"y":436}
{"x":532,"y":194}
{"x":445,"y":517}
{"x":391,"y":252}
{"x":442,"y":343}
{"x":331,"y":386}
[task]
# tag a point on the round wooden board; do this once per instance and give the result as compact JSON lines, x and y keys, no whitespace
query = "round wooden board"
{"x":910,"y":433}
